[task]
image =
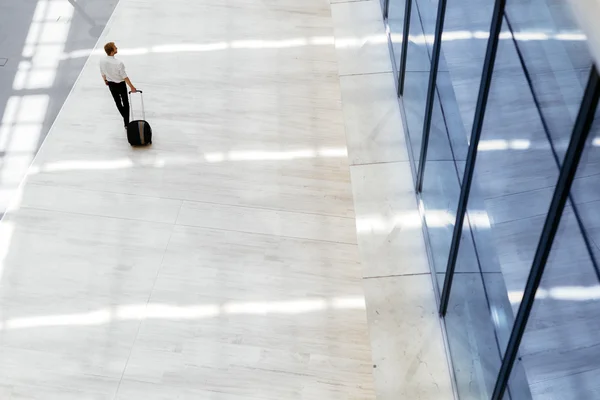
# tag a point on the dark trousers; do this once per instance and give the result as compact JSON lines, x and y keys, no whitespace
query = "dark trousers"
{"x":119,"y":93}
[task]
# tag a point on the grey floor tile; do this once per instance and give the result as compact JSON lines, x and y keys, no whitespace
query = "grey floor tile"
{"x":390,"y":235}
{"x":374,"y":131}
{"x":361,"y":43}
{"x":417,"y":358}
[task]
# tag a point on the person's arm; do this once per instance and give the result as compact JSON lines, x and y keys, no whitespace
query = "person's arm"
{"x":131,"y":87}
{"x":126,"y":78}
{"x":103,"y":74}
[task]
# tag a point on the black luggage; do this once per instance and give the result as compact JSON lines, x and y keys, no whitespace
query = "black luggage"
{"x":139,"y":132}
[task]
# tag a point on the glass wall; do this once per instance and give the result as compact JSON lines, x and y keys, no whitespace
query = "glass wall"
{"x":526,"y":83}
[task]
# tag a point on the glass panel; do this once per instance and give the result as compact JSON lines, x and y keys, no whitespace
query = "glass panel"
{"x":511,"y":188}
{"x":396,"y":24}
{"x":471,"y":334}
{"x":418,"y":64}
{"x":459,"y":75}
{"x":514,"y":180}
{"x":540,"y":73}
{"x":555,"y":57}
{"x":560,"y":351}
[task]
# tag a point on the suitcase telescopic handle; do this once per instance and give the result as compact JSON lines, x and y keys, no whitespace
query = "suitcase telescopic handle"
{"x":131,"y":104}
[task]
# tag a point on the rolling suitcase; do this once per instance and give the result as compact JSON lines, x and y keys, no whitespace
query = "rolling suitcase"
{"x":139,"y":132}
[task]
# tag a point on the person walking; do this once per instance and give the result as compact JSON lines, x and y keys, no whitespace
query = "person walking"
{"x":115,"y":77}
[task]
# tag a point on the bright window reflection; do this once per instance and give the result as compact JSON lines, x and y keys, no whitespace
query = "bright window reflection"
{"x":566,"y":293}
{"x":75,"y":165}
{"x":501,"y":144}
{"x":163,"y":311}
{"x":82,"y":165}
{"x":92,"y":318}
{"x":340,"y":42}
{"x":290,"y":307}
{"x":412,"y":220}
{"x":274,"y":155}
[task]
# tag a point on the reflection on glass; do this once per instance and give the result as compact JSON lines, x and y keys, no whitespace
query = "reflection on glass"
{"x":556,"y":59}
{"x":540,"y":74}
{"x":557,"y":333}
{"x":418,"y":64}
{"x":471,"y":331}
{"x":559,"y":350}
{"x":396,"y":25}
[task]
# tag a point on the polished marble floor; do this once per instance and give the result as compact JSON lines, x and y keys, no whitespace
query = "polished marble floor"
{"x":220,"y":263}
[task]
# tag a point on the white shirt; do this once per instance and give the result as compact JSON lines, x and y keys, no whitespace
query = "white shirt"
{"x":113,"y":69}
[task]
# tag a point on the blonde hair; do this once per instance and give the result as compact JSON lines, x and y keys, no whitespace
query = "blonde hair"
{"x":110,"y":48}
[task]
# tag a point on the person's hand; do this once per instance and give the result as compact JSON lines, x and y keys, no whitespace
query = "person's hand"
{"x":133,"y":90}
{"x":106,"y":82}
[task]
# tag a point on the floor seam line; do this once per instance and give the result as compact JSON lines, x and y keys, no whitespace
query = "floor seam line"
{"x":147,"y":303}
{"x":89,"y":215}
{"x":365,"y":73}
{"x":185,"y":200}
{"x":191,"y":226}
{"x":396,"y":275}
{"x":269,"y":234}
{"x":380,"y":162}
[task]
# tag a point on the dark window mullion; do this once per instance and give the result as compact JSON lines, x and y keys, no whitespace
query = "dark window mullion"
{"x":435,"y":61}
{"x":484,"y":89}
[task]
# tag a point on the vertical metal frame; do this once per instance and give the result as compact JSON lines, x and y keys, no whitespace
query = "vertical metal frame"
{"x":386,"y":8}
{"x":581,"y":130}
{"x":404,"y":51}
{"x":435,"y":62}
{"x":482,"y":98}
